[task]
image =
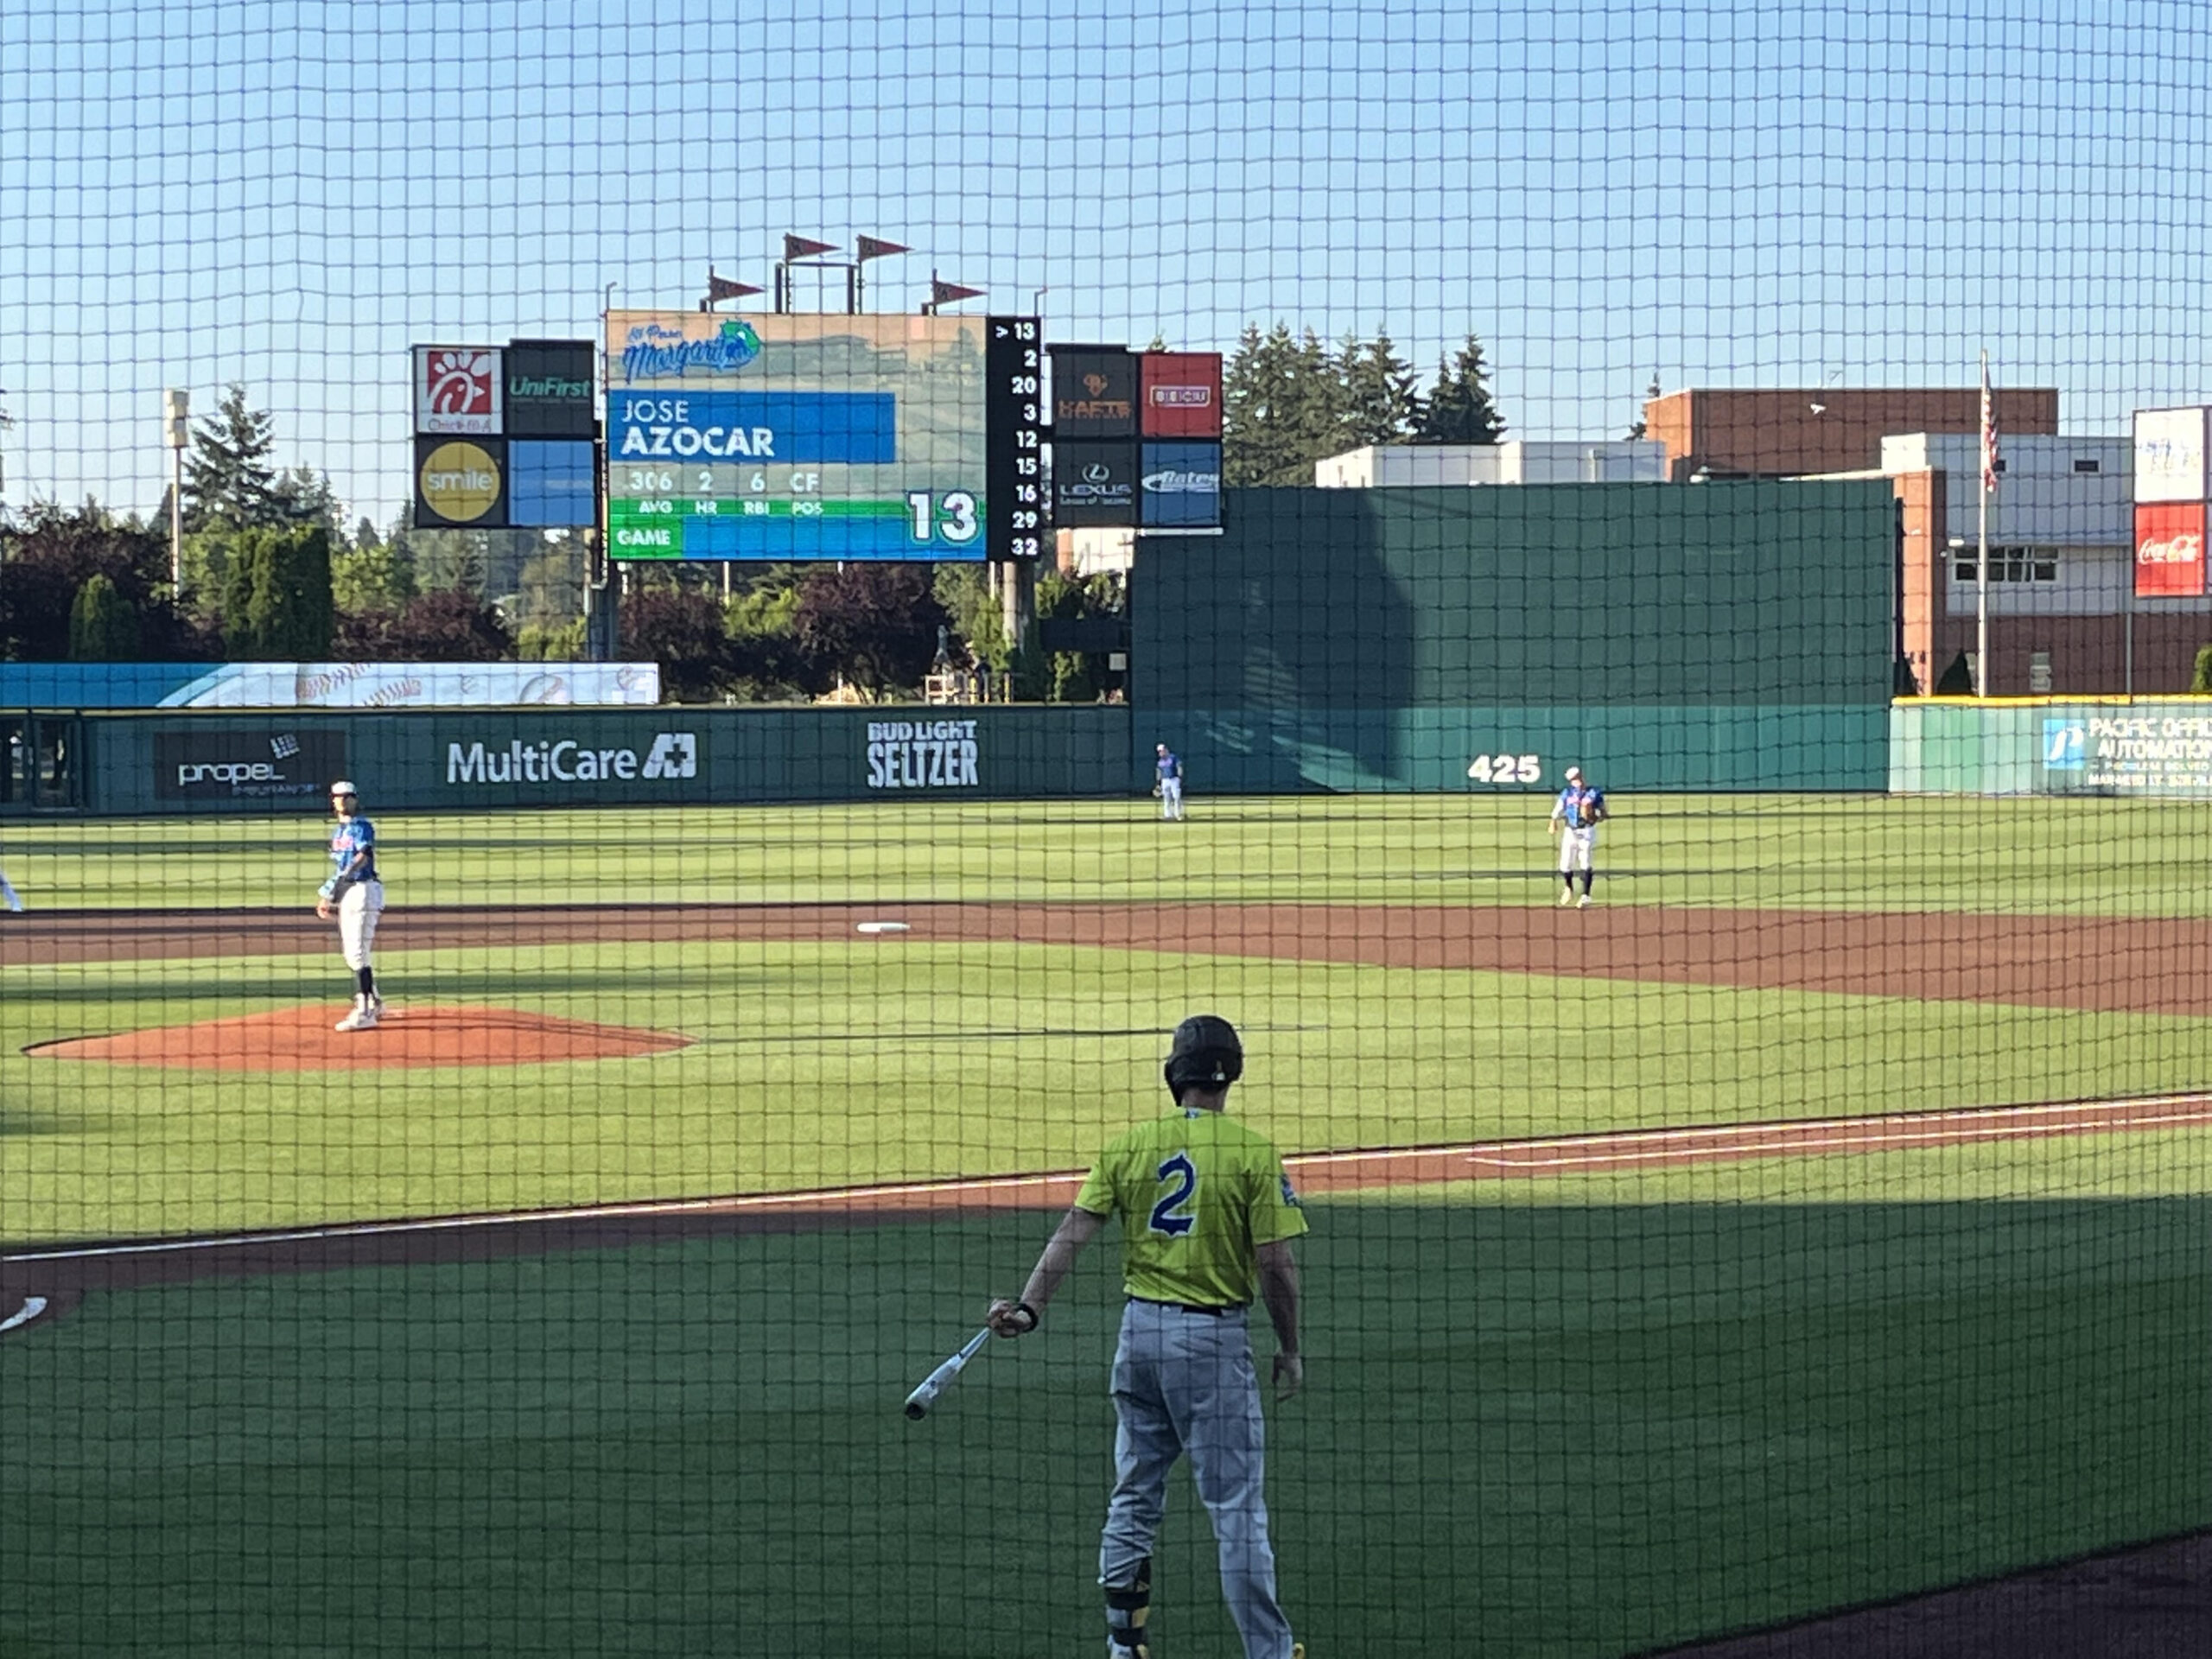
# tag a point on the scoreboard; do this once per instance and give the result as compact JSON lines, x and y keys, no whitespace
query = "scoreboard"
{"x":805,"y":436}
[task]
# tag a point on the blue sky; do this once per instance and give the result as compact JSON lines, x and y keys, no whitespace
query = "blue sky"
{"x":1721,"y":193}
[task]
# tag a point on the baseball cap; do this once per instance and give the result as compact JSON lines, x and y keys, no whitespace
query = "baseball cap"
{"x":1574,"y":773}
{"x":342,"y":787}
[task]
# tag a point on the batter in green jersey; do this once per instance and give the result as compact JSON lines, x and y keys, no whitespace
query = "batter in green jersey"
{"x":1207,"y":1217}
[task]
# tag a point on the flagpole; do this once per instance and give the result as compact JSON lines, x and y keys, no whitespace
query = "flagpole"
{"x":1981,"y":549}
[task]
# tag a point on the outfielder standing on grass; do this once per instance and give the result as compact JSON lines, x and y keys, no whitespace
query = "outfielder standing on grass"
{"x":1169,"y":787}
{"x":355,"y":896}
{"x":1207,"y":1217}
{"x":1576,"y":814}
{"x":7,"y":894}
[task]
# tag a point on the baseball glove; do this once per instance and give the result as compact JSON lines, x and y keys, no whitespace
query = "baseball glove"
{"x":1155,"y":791}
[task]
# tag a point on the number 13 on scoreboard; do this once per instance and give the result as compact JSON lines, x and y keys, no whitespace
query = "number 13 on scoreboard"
{"x":952,"y":516}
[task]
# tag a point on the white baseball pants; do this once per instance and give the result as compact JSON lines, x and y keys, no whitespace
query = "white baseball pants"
{"x":1185,"y":1386}
{"x":358,"y":910}
{"x":1576,"y":847}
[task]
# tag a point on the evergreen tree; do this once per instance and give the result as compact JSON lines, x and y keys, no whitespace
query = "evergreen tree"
{"x":302,"y":496}
{"x":313,"y":613}
{"x":228,"y":483}
{"x":1281,"y":408}
{"x":276,"y":596}
{"x":1376,"y":402}
{"x":1460,"y":410}
{"x":242,"y":577}
{"x":375,"y":576}
{"x":103,"y":625}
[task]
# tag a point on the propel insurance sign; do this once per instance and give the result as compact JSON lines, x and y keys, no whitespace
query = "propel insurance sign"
{"x":247,"y":765}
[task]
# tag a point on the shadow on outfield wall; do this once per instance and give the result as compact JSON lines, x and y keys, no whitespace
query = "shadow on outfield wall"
{"x":1274,"y":653}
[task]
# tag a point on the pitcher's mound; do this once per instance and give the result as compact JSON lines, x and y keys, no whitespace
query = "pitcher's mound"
{"x":301,"y":1039}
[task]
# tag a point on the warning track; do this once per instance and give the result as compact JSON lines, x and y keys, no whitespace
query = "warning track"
{"x":62,"y":1273}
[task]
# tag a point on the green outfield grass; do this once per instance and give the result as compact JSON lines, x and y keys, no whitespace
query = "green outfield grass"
{"x":2042,"y":855}
{"x":1559,"y":1428}
{"x":841,"y":1063}
{"x":1562,"y":1416}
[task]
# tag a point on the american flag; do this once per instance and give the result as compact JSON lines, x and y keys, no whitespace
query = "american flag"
{"x":1988,"y":431}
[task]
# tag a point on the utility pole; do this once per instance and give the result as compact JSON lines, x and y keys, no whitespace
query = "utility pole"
{"x":176,"y":417}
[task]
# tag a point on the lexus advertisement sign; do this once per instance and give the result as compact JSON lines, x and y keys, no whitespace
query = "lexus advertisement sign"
{"x":1094,"y":486}
{"x":271,"y":765}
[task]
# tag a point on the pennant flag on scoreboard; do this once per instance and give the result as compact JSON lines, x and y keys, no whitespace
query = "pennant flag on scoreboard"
{"x":724,"y":288}
{"x":945,"y":293}
{"x":871,"y":247}
{"x":803,"y":247}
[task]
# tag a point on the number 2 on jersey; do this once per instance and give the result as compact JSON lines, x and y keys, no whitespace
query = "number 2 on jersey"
{"x":1179,"y":1170}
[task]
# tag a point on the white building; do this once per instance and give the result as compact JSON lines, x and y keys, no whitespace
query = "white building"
{"x":1400,"y":466}
{"x":2061,"y":522}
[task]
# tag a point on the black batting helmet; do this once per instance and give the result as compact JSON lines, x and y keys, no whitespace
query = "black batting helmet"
{"x":1206,"y":1051}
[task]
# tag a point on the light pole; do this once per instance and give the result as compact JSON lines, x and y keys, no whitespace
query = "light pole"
{"x":176,"y":418}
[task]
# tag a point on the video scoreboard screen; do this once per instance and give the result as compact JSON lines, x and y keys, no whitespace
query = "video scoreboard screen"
{"x":805,"y":437}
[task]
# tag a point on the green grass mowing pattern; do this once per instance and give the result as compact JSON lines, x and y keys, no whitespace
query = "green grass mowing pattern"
{"x":1563,"y":1429}
{"x":2040,"y":857}
{"x":841,"y":1064}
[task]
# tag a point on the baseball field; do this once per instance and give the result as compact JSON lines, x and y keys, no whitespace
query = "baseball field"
{"x":1821,"y":1217}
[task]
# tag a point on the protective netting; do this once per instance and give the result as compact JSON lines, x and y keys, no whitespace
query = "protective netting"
{"x":647,"y":658}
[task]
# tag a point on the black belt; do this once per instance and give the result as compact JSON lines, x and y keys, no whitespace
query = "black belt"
{"x":1210,"y":1310}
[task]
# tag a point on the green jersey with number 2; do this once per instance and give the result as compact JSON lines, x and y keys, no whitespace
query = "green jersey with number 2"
{"x":1197,"y":1192}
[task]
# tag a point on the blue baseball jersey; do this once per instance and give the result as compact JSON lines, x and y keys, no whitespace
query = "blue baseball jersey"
{"x":1581,"y":804}
{"x":1169,"y":767}
{"x":355,"y":836}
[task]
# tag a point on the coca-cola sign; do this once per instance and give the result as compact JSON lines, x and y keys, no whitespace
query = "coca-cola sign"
{"x":2169,"y":549}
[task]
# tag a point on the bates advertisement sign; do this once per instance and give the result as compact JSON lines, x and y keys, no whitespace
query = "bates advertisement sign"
{"x":2170,"y":550}
{"x":1181,"y":394}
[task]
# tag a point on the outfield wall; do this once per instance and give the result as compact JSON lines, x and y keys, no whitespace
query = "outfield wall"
{"x":1725,"y":636}
{"x":464,"y":760}
{"x":2158,"y":746}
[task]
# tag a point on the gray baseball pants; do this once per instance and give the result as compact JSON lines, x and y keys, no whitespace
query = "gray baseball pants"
{"x":1184,"y":1385}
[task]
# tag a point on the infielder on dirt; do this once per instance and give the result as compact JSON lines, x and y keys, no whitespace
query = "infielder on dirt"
{"x":1207,"y":1217}
{"x":1576,"y":814}
{"x":355,"y":896}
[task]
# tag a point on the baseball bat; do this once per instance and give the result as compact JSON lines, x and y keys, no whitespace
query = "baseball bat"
{"x":919,"y":1401}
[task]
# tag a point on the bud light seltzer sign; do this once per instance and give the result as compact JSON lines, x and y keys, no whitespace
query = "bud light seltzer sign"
{"x":2169,"y":549}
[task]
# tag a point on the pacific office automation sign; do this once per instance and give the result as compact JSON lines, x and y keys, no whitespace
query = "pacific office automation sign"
{"x":263,"y":765}
{"x":2147,"y":753}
